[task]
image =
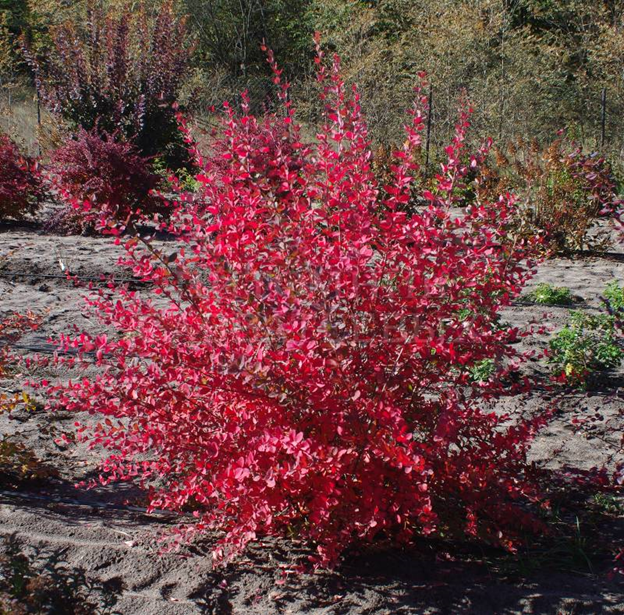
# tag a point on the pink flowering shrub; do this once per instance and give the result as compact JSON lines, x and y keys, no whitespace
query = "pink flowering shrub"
{"x":118,"y":70}
{"x":303,"y":365}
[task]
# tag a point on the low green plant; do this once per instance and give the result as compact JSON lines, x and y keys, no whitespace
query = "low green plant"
{"x":546,"y":294}
{"x":614,"y":301}
{"x":608,"y":503}
{"x":482,"y":370}
{"x":184,"y":179}
{"x":588,"y":343}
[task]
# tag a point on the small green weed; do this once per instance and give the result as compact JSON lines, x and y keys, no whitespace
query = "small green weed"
{"x":184,"y":177}
{"x":614,"y":300}
{"x":608,"y":503}
{"x":483,"y":370}
{"x":545,"y":294}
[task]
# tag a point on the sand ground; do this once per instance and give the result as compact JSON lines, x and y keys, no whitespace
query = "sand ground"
{"x":105,"y":531}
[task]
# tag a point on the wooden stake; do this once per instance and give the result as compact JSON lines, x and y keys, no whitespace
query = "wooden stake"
{"x":429,"y":118}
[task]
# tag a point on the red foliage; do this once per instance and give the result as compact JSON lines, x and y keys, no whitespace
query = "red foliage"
{"x":310,"y":373}
{"x":21,"y":188}
{"x":268,"y":146}
{"x":102,"y":178}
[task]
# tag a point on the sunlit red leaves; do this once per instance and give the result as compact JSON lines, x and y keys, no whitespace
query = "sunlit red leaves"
{"x":305,"y":370}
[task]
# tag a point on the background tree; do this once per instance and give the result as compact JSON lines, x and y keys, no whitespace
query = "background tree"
{"x":7,"y":52}
{"x":230,"y":34}
{"x":530,"y":67}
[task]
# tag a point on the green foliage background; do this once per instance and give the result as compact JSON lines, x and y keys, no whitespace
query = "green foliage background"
{"x":530,"y":67}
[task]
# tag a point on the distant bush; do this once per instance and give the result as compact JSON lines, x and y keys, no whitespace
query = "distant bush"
{"x":99,"y":176}
{"x":21,"y":186}
{"x":545,"y":294}
{"x":566,"y":193}
{"x":312,"y":372}
{"x":119,"y":73}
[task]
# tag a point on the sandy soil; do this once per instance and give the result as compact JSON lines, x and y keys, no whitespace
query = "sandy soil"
{"x":107,"y":533}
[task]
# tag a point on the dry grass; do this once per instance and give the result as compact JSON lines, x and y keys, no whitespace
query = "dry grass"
{"x":19,"y":119}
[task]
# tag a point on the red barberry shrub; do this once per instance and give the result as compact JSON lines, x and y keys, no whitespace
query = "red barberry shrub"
{"x":310,"y":371}
{"x":21,"y":187}
{"x":101,"y":177}
{"x":119,"y":72}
